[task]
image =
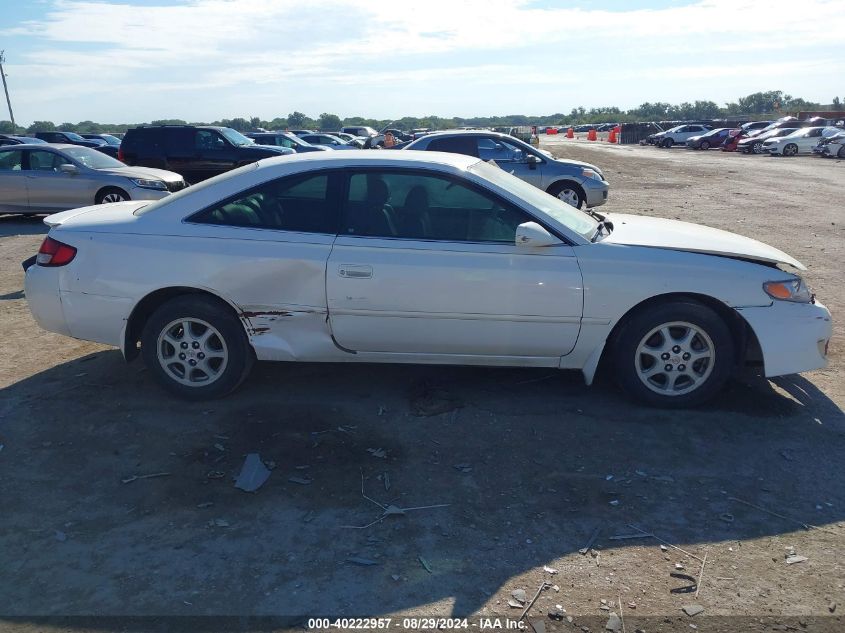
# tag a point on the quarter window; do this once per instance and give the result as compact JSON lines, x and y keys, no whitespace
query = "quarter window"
{"x":300,"y":204}
{"x":412,"y":205}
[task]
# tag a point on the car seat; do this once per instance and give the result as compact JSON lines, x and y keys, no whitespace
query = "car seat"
{"x":374,"y":216}
{"x":414,"y":221}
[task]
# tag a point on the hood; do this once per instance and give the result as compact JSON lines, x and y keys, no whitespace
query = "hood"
{"x":98,"y":214}
{"x":638,"y":230}
{"x":143,"y":172}
{"x":266,"y":149}
{"x":578,"y":163}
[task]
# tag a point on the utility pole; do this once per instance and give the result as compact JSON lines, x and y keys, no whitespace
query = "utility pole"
{"x":6,"y":88}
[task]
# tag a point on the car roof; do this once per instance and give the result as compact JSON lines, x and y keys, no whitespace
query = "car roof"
{"x":364,"y":157}
{"x":469,"y":133}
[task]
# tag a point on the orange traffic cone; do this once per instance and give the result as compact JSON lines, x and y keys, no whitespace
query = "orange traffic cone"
{"x":611,"y":137}
{"x":570,"y":133}
{"x":591,"y":135}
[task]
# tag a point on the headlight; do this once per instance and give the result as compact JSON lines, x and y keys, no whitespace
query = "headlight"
{"x":591,"y":173}
{"x":794,"y":290}
{"x":149,"y":184}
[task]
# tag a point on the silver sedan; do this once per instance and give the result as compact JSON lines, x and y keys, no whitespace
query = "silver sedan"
{"x":50,"y":178}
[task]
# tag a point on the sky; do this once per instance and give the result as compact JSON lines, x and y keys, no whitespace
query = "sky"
{"x":123,"y":61}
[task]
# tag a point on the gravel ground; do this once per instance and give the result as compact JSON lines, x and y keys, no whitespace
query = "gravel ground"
{"x":531,"y":462}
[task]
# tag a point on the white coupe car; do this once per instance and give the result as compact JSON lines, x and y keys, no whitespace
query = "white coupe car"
{"x":417,"y":257}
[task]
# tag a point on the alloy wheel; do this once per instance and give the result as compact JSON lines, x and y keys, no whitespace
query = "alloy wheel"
{"x":569,"y":196}
{"x":192,"y":352}
{"x":675,"y":358}
{"x":113,"y":197}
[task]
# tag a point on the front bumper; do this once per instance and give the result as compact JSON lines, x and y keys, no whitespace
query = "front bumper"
{"x":141,"y":193}
{"x":793,"y":336}
{"x":595,"y":192}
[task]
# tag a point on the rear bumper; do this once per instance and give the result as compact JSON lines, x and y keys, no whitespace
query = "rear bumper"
{"x":41,"y":286}
{"x":793,"y":336}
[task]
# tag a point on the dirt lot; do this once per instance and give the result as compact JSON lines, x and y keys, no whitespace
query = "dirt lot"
{"x":531,"y":463}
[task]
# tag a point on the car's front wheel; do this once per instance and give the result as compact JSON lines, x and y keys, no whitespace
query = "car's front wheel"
{"x":757,"y":148}
{"x":111,"y":194}
{"x":196,"y":347}
{"x":673,"y":354}
{"x":568,"y":192}
{"x":667,"y":142}
{"x":790,"y":150}
{"x":841,"y":152}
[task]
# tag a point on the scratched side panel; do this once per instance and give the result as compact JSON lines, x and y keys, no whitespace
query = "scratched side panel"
{"x":276,"y":280}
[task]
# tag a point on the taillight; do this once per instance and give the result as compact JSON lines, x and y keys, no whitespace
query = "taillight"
{"x":54,"y":253}
{"x":120,"y":154}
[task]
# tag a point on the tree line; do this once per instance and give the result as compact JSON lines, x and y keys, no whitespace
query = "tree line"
{"x":773,"y":103}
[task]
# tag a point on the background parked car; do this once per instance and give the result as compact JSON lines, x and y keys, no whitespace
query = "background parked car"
{"x":754,"y":144}
{"x":713,"y":138}
{"x":9,"y":139}
{"x":679,"y":134}
{"x":359,"y":130}
{"x":285,"y":139}
{"x":574,"y":182}
{"x":836,"y":147}
{"x":57,"y":136}
{"x":801,"y":141}
{"x":55,"y":177}
{"x":827,"y":140}
{"x":327,"y":140}
{"x":196,"y":152}
{"x":301,"y":132}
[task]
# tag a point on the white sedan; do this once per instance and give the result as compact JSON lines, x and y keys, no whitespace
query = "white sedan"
{"x":418,"y":257}
{"x":801,"y":141}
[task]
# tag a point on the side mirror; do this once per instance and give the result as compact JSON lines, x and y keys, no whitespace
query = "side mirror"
{"x":532,"y":161}
{"x":533,"y":235}
{"x":69,"y":169}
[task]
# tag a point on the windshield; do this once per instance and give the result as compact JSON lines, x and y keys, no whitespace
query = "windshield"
{"x":556,"y":209}
{"x":235,"y":137}
{"x":92,"y":158}
{"x":74,"y":136}
{"x":111,"y":140}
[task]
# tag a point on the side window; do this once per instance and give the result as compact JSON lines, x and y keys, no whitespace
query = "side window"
{"x":299,"y":203}
{"x":208,"y":139}
{"x":414,"y":205}
{"x":40,"y":160}
{"x":455,"y":144}
{"x":11,"y":160}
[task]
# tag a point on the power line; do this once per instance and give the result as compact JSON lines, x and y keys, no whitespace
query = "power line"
{"x":6,"y":88}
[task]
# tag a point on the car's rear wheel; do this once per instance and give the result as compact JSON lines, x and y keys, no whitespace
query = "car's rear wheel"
{"x":673,"y":354}
{"x":704,"y":145}
{"x":196,"y":347}
{"x":568,"y":192}
{"x":791,"y":149}
{"x":111,"y":194}
{"x":667,"y":142}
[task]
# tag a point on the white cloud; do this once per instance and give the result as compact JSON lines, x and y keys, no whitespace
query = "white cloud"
{"x":410,"y":47}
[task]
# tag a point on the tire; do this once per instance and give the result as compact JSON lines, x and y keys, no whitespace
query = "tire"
{"x":791,"y":149}
{"x":841,"y":152}
{"x":217,"y":347}
{"x":667,"y":143}
{"x":757,"y":148}
{"x":568,"y":192}
{"x":111,"y":194}
{"x":704,"y":145}
{"x":642,"y":352}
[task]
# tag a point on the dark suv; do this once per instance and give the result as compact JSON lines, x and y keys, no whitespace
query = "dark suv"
{"x":196,"y":152}
{"x":72,"y":138}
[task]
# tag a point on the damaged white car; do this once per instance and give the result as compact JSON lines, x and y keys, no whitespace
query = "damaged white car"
{"x":418,"y":257}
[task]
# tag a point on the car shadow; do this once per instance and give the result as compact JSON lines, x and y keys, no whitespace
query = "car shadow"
{"x":12,"y":224}
{"x":525,"y":467}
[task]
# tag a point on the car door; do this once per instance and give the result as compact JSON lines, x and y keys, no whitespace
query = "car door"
{"x":49,"y":189}
{"x":214,"y":154}
{"x":13,"y":193}
{"x":427,"y":264}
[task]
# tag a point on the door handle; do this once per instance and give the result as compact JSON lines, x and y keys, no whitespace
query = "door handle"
{"x":355,"y":271}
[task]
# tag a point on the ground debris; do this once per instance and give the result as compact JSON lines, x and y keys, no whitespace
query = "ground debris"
{"x":222,"y":523}
{"x":131,"y":478}
{"x":253,"y":474}
{"x":302,"y":481}
{"x":614,"y":623}
{"x":427,"y":400}
{"x":795,"y":558}
{"x":363,"y":562}
{"x":377,"y":452}
{"x":387,"y":510}
{"x":60,"y":536}
{"x":692,"y":609}
{"x":549,"y":570}
{"x":519,"y":594}
{"x":425,"y":564}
